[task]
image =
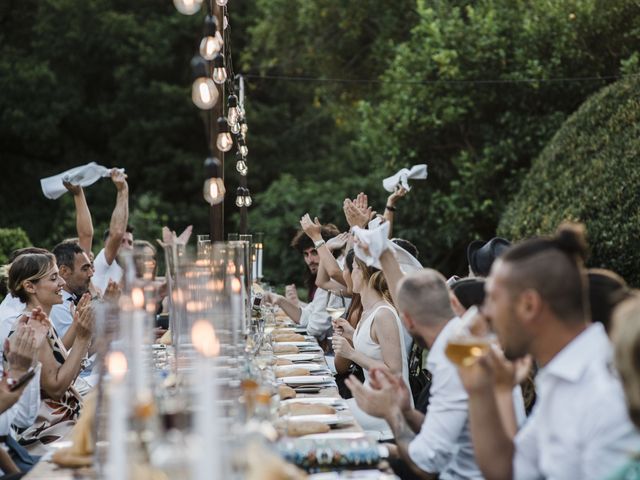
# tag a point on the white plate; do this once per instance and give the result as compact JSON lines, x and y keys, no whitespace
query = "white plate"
{"x":306,"y":379}
{"x":300,"y":357}
{"x":300,"y":344}
{"x":312,"y":367}
{"x":334,"y":402}
{"x":327,"y":419}
{"x":335,"y":436}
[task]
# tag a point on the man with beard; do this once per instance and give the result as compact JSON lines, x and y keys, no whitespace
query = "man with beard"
{"x":75,"y":268}
{"x":438,"y":444}
{"x":314,"y":315}
{"x":579,"y":428}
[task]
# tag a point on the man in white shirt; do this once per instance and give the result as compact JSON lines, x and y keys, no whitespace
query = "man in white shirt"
{"x":119,"y":235}
{"x":437,"y":444}
{"x":314,"y":315}
{"x":579,"y":428}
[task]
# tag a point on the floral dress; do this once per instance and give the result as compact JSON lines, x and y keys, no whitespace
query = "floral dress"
{"x":55,"y":417}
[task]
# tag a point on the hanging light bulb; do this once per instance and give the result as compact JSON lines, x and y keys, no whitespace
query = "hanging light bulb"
{"x":224,"y":142}
{"x":240,"y":197}
{"x":242,"y":146}
{"x":241,"y":167}
{"x":235,"y":129}
{"x":244,"y":128}
{"x":222,"y":3}
{"x":187,"y":7}
{"x":219,"y":72}
{"x":204,"y":92}
{"x":213,"y":189}
{"x":211,"y":42}
{"x":233,"y":112}
{"x":247,"y":198}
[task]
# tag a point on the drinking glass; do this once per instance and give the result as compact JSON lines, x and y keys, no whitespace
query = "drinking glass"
{"x":471,"y":340}
{"x":337,"y":308}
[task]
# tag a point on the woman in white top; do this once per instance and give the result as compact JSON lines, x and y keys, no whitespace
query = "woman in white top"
{"x":379,"y":340}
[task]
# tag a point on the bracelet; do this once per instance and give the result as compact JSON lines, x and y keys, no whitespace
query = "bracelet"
{"x":390,"y":208}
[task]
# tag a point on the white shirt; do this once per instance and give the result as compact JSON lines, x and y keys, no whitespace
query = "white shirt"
{"x":10,"y":306}
{"x":579,"y":427}
{"x":103,"y":271}
{"x":444,"y":443}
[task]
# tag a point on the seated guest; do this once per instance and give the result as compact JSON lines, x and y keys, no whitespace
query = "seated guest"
{"x":379,"y":340}
{"x":626,"y":339}
{"x":34,"y":279}
{"x":438,"y":443}
{"x":537,"y":303}
{"x":314,"y":315}
{"x":481,"y":255}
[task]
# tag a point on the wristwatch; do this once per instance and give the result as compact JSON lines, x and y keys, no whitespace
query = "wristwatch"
{"x":318,"y":243}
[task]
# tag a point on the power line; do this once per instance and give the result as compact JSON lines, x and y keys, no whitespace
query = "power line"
{"x":492,"y":81}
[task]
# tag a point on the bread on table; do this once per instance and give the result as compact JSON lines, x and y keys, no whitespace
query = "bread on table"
{"x":306,"y":409}
{"x":292,"y":372}
{"x":300,"y":428}
{"x":283,"y":361}
{"x":285,"y":391}
{"x":282,"y":349}
{"x":288,"y":337}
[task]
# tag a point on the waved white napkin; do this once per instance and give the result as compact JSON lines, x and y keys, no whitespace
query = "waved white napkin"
{"x":417,"y":172}
{"x":84,"y":176}
{"x":377,"y":239}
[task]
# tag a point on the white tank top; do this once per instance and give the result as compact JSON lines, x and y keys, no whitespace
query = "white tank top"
{"x":364,"y":344}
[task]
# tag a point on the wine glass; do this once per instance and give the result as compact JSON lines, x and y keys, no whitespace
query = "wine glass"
{"x":337,"y":308}
{"x":471,"y":340}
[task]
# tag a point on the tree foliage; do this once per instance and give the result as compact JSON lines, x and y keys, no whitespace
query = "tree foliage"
{"x":589,"y":173}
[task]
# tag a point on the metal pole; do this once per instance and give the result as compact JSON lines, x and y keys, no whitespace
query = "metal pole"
{"x":216,"y":212}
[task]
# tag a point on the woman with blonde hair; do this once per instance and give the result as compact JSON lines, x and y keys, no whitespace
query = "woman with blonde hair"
{"x":379,"y":340}
{"x":34,"y":279}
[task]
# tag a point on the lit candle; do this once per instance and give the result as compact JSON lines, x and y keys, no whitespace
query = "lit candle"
{"x":254,"y":264}
{"x":137,"y":343}
{"x":117,"y":453}
{"x":237,"y":316}
{"x":208,"y":463}
{"x":259,"y":255}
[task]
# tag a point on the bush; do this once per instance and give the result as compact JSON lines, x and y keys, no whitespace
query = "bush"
{"x":589,"y":172}
{"x":10,"y":240}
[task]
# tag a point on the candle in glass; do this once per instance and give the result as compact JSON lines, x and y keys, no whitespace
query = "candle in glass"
{"x":117,"y":453}
{"x":137,"y":341}
{"x":207,"y":419}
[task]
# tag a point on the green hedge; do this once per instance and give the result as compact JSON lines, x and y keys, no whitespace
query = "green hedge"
{"x":10,"y":240}
{"x":589,"y":172}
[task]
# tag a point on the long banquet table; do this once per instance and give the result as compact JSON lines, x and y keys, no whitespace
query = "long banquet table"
{"x":45,"y":469}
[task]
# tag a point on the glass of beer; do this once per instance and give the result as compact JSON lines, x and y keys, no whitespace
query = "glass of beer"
{"x":471,"y":341}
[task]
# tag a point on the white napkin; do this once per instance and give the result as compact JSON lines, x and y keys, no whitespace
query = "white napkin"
{"x":417,"y":172}
{"x":377,"y":239}
{"x":84,"y":176}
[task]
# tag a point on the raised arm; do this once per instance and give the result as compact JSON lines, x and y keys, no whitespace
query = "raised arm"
{"x":390,"y":207}
{"x":325,"y":251}
{"x":119,"y":217}
{"x":84,"y":225}
{"x":392,"y":273}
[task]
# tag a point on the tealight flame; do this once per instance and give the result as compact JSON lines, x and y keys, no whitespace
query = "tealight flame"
{"x":231,"y":268}
{"x":195,"y":306}
{"x":204,"y":338}
{"x":117,"y":365}
{"x":236,"y":285}
{"x":137,"y":297}
{"x":178,"y":296}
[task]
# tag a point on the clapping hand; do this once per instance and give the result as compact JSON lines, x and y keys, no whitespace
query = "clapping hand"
{"x":40,"y":324}
{"x":377,"y":402}
{"x":84,"y":317}
{"x":382,"y":378}
{"x":338,"y":242}
{"x":356,"y":217}
{"x":313,"y":229}
{"x":111,"y":293}
{"x":21,"y":349}
{"x":169,"y":236}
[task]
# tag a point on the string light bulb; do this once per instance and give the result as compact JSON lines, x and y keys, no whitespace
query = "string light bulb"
{"x":219,"y":72}
{"x":241,"y":167}
{"x":211,"y":42}
{"x":247,"y":198}
{"x":224,"y":142}
{"x":240,"y":197}
{"x":233,"y":112}
{"x":188,"y":7}
{"x":242,"y":146}
{"x":213,"y":190}
{"x":244,"y":128}
{"x":204,"y":92}
{"x":221,"y":3}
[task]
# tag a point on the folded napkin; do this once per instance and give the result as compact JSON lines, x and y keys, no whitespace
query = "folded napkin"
{"x":377,"y":239}
{"x":417,"y":172}
{"x":84,"y":176}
